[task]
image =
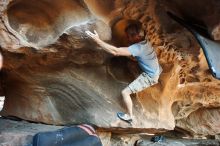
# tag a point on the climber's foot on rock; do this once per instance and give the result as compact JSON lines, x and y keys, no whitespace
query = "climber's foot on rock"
{"x":124,"y":117}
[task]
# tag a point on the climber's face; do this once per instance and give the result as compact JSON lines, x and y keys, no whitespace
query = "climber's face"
{"x":137,"y":37}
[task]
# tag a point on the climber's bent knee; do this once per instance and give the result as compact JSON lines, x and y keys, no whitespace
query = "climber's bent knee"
{"x":126,"y":91}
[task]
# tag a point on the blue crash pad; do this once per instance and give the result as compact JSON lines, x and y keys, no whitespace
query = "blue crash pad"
{"x":81,"y":135}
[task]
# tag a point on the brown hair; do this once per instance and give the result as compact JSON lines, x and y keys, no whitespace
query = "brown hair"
{"x":133,"y":28}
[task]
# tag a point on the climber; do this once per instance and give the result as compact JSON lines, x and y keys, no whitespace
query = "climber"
{"x":147,"y":60}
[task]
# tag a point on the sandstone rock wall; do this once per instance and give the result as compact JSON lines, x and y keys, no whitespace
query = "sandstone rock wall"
{"x":73,"y":81}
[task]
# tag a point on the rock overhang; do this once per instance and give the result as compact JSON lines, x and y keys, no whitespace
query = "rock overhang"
{"x":183,"y":93}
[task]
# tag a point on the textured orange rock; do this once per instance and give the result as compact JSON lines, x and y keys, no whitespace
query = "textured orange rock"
{"x":36,"y":25}
{"x":71,"y":81}
{"x":40,"y":25}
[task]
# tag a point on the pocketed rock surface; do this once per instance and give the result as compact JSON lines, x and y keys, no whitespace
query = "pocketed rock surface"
{"x":53,"y":73}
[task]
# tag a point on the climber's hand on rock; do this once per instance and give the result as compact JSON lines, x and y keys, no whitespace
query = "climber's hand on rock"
{"x":94,"y":35}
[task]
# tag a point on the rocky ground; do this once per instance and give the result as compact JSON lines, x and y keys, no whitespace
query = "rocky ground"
{"x":20,"y":133}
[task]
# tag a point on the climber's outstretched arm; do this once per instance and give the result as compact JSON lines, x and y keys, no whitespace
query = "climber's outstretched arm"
{"x":121,"y":51}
